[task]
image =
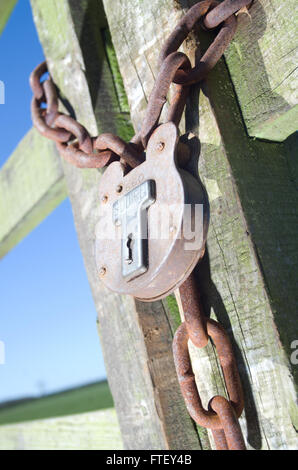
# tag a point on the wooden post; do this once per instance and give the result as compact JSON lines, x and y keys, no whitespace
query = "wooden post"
{"x":136,"y":338}
{"x":248,"y":273}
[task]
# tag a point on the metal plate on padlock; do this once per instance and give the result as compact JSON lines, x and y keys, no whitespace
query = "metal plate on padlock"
{"x":142,"y":247}
{"x":130,"y":211}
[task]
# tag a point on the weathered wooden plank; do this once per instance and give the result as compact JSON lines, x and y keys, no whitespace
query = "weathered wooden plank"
{"x":248,"y":274}
{"x":31,"y":186}
{"x":98,"y":430}
{"x":263,"y":65}
{"x":262,"y":274}
{"x":78,"y":400}
{"x":6,"y":7}
{"x":142,"y":378}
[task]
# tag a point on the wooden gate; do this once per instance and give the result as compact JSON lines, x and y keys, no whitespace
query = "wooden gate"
{"x":104,"y":60}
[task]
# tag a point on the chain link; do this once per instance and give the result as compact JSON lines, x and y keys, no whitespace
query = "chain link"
{"x":198,"y":328}
{"x":73,"y":140}
{"x":78,"y":148}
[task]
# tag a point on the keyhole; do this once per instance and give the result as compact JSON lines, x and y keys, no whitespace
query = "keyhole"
{"x":129,"y":245}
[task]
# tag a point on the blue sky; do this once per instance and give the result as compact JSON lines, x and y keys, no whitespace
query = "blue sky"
{"x":47,"y":315}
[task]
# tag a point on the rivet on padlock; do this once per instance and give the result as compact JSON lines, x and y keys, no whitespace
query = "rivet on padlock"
{"x":135,"y":257}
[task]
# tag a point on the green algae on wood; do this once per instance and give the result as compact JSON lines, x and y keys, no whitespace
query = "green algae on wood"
{"x":237,"y":289}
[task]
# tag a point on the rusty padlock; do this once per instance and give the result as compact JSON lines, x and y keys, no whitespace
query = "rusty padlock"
{"x":153,"y":222}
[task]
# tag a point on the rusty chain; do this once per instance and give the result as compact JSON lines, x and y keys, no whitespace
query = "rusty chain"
{"x":222,"y":415}
{"x":73,"y":140}
{"x":80,"y":149}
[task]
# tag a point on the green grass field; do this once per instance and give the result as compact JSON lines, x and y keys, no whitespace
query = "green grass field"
{"x":91,"y":397}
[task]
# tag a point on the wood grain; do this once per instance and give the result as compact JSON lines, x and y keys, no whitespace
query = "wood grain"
{"x":98,"y":430}
{"x":262,"y":62}
{"x":247,"y":276}
{"x":6,"y":8}
{"x":139,"y":364}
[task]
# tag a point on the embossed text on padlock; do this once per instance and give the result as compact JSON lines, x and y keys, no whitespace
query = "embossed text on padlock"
{"x":130,"y":211}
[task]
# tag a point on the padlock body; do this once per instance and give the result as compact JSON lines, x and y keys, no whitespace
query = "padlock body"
{"x":142,"y":247}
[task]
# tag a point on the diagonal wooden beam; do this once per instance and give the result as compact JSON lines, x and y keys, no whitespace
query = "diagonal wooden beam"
{"x":6,"y":8}
{"x":97,"y":430}
{"x":262,"y":62}
{"x":31,"y":186}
